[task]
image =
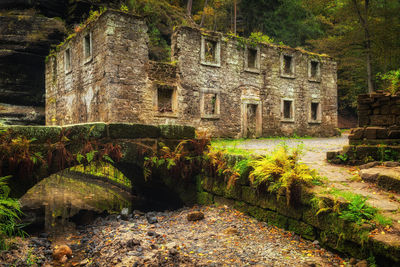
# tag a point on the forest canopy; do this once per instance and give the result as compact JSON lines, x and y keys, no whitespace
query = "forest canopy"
{"x":362,"y":35}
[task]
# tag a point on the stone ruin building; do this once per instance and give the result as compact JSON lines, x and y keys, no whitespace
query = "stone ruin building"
{"x":215,"y":82}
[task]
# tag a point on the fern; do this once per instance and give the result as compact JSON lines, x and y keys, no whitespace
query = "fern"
{"x":358,"y":211}
{"x":9,"y":215}
{"x":281,"y":172}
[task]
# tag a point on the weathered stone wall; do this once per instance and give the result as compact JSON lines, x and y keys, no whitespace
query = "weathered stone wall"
{"x":377,"y":136}
{"x":303,"y":218}
{"x":378,"y":120}
{"x":265,"y":85}
{"x":230,"y":97}
{"x":378,"y":110}
{"x":98,"y":88}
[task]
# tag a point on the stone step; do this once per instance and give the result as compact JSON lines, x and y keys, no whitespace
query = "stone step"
{"x":386,"y":178}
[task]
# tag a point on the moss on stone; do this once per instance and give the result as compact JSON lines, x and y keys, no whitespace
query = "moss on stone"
{"x":258,"y":213}
{"x":177,"y":132}
{"x":241,"y":206}
{"x":218,"y":187}
{"x":287,"y":210}
{"x":86,"y":131}
{"x":389,"y":180}
{"x":42,"y":134}
{"x":301,"y":228}
{"x":205,"y":198}
{"x":233,"y":192}
{"x":276,"y":219}
{"x":132,"y":131}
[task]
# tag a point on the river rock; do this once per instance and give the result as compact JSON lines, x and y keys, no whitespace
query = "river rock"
{"x":62,"y":253}
{"x":195,"y":216}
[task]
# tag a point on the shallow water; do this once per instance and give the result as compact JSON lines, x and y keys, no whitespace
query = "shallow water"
{"x":64,"y":200}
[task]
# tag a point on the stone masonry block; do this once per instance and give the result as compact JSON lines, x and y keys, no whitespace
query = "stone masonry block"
{"x":85,"y":131}
{"x":382,"y":133}
{"x":394,"y":134}
{"x":177,"y":132}
{"x":357,"y":133}
{"x":132,"y":131}
{"x":382,"y":120}
{"x":42,"y":134}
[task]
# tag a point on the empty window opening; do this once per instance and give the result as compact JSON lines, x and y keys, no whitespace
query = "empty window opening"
{"x":87,"y":44}
{"x":287,"y":109}
{"x":252,"y":58}
{"x":210,"y":104}
{"x":67,"y":58}
{"x":287,"y":61}
{"x":164,"y":99}
{"x":314,"y":111}
{"x":210,"y":49}
{"x":314,"y":68}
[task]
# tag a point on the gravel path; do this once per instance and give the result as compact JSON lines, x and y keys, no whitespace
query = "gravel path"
{"x":225,"y":237}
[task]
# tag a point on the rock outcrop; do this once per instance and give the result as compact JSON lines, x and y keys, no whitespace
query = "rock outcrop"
{"x":28,"y":29}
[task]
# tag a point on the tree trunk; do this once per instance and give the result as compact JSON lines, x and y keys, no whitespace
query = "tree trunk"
{"x":203,"y":15}
{"x":367,"y":41}
{"x":234,"y":16}
{"x":189,"y":7}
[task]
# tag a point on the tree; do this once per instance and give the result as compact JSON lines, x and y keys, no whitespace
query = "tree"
{"x":189,"y":7}
{"x":367,"y":40}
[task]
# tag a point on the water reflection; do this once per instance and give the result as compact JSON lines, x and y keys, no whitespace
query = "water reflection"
{"x":68,"y":198}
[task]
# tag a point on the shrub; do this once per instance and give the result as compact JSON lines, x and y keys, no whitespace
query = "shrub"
{"x":282,"y":173}
{"x":9,"y":215}
{"x":391,"y":81}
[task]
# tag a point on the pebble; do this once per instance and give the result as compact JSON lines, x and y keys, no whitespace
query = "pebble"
{"x":225,"y":238}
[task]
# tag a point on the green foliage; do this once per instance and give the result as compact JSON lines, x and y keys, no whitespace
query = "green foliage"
{"x":9,"y":215}
{"x":181,"y":162}
{"x":343,"y":157}
{"x":391,"y":81}
{"x":17,"y":152}
{"x":282,"y":173}
{"x":103,"y":169}
{"x":124,"y":8}
{"x":382,"y":220}
{"x":358,"y":211}
{"x":289,"y":21}
{"x":259,"y":37}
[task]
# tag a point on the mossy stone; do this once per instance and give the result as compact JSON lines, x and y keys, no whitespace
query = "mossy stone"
{"x":301,"y":228}
{"x":132,"y":131}
{"x":258,"y":213}
{"x":233,"y":192}
{"x":289,"y":211}
{"x":86,"y":131}
{"x":218,"y":187}
{"x":42,"y":134}
{"x":273,"y":218}
{"x":241,"y":206}
{"x":177,"y":132}
{"x":205,"y":198}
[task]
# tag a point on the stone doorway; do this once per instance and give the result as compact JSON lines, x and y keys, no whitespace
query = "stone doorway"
{"x":251,"y":117}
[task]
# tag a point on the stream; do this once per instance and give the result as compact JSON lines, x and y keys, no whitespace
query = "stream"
{"x":94,"y":219}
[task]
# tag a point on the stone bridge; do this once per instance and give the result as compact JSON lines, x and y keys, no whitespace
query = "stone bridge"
{"x":133,"y":139}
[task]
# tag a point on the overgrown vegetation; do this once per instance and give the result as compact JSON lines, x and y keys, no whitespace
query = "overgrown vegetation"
{"x":10,"y":213}
{"x":16,"y":153}
{"x":183,"y":161}
{"x":356,"y":210}
{"x":391,"y":81}
{"x":281,"y":173}
{"x":18,"y":158}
